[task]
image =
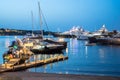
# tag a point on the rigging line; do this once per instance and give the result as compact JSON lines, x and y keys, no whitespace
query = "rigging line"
{"x":45,"y":21}
{"x":42,"y":15}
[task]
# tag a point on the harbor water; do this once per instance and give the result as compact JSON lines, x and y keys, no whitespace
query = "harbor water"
{"x":103,"y":60}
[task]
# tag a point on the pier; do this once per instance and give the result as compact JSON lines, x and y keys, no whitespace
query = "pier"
{"x":24,"y":54}
{"x":13,"y":66}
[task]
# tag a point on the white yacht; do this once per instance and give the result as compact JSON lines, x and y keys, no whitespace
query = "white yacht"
{"x":102,"y":31}
{"x":72,"y":33}
{"x":84,"y":35}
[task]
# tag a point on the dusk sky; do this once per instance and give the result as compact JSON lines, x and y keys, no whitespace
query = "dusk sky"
{"x":60,"y":15}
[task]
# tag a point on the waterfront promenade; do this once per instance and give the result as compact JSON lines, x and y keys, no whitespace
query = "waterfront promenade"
{"x":48,"y":76}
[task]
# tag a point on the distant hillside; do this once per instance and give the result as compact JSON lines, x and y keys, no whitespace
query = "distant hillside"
{"x":21,"y":32}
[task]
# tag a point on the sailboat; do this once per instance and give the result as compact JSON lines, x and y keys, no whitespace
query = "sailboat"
{"x":40,"y":44}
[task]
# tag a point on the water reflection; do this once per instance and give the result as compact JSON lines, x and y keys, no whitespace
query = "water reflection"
{"x":90,"y":60}
{"x":7,"y":43}
{"x":102,"y":53}
{"x":41,"y":57}
{"x":37,"y":57}
{"x":86,"y":52}
{"x":73,"y":46}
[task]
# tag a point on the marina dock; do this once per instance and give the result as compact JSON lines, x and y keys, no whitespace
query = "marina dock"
{"x":21,"y":54}
{"x":12,"y":64}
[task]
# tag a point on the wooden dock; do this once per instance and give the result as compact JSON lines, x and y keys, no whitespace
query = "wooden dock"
{"x":12,"y":64}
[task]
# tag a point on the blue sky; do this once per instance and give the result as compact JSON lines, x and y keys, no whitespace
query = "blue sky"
{"x":61,"y":14}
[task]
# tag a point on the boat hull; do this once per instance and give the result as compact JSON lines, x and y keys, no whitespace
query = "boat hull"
{"x":64,"y":35}
{"x":108,"y":41}
{"x":51,"y":50}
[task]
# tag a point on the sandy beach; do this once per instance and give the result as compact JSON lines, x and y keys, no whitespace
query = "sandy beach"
{"x":47,"y":76}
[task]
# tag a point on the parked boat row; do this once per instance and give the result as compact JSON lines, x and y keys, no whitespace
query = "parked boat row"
{"x":81,"y":34}
{"x":101,"y":36}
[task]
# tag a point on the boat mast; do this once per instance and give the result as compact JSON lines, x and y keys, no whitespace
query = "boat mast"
{"x":40,"y":15}
{"x":32,"y":22}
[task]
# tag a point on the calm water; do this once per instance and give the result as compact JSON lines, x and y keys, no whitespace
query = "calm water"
{"x":86,"y":60}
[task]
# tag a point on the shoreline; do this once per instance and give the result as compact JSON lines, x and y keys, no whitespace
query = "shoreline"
{"x":51,"y":76}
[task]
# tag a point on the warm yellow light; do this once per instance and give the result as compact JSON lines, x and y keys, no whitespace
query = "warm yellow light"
{"x":61,"y":39}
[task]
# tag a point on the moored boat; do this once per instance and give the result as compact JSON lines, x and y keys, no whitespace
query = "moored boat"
{"x":113,"y":38}
{"x":72,"y":33}
{"x":84,"y":35}
{"x":44,"y":46}
{"x":17,"y":52}
{"x":105,"y":40}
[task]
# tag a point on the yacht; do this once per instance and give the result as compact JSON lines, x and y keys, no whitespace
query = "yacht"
{"x":111,"y":39}
{"x":102,"y":31}
{"x":72,"y":33}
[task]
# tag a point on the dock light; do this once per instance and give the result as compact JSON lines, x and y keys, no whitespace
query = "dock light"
{"x":61,"y":39}
{"x":5,"y":65}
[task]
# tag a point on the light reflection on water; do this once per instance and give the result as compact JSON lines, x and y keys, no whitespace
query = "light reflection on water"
{"x":37,"y":57}
{"x":88,"y":60}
